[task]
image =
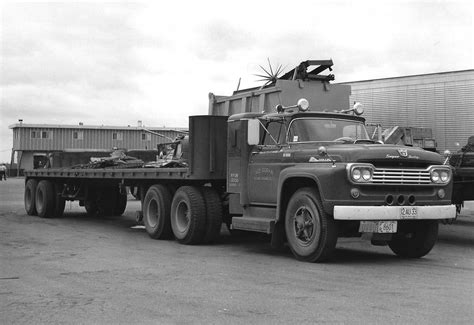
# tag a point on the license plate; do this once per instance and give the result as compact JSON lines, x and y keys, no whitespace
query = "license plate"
{"x":380,"y":227}
{"x":408,"y":213}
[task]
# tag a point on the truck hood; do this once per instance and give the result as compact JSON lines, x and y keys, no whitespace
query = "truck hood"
{"x":369,"y":153}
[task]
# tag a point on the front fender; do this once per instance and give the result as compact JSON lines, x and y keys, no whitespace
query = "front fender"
{"x":323,"y":175}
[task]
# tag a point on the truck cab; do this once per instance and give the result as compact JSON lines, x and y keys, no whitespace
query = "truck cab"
{"x":311,"y":177}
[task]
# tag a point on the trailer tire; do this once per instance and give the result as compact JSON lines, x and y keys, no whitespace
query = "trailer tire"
{"x":414,"y":239}
{"x":213,"y":214}
{"x":106,"y":202}
{"x":30,"y":194}
{"x":91,"y":208}
{"x":120,"y":203}
{"x":311,"y":233}
{"x":156,"y":212}
{"x":45,"y":199}
{"x":59,"y":202}
{"x":188,"y":215}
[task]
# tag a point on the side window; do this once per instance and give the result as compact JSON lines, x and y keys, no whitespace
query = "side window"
{"x":276,"y":133}
{"x":78,"y":135}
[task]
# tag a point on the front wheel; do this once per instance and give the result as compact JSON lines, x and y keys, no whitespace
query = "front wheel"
{"x":311,"y":233}
{"x":415,"y":239}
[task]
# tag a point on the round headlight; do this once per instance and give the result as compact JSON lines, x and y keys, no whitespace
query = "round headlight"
{"x":435,"y":176}
{"x":444,"y":176}
{"x":366,"y":174}
{"x":356,"y":174}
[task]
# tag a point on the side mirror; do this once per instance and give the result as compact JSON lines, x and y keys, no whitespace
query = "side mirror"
{"x":253,"y":132}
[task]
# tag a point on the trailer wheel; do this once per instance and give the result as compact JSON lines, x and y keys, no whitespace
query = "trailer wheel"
{"x":45,"y":199}
{"x":156,"y":212}
{"x":311,"y":233}
{"x":188,"y":215}
{"x":106,"y":202}
{"x":59,"y":201}
{"x":213,"y":214}
{"x":30,"y":194}
{"x":91,"y":208}
{"x":414,"y":239}
{"x":135,"y":191}
{"x":120,"y":203}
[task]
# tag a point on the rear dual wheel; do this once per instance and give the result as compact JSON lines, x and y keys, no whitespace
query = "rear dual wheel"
{"x":48,"y":202}
{"x":188,"y":215}
{"x":196,"y":215}
{"x":156,"y":212}
{"x":106,"y":202}
{"x":30,"y":194}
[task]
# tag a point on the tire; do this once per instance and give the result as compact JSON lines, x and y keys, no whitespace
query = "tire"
{"x":135,"y":191}
{"x":120,"y":203}
{"x":414,"y":239}
{"x":156,"y":212}
{"x":311,"y":233}
{"x":30,"y":194}
{"x":59,"y":202}
{"x":213,"y":214}
{"x":188,"y":215}
{"x":45,"y":199}
{"x":106,"y":202}
{"x":91,"y":208}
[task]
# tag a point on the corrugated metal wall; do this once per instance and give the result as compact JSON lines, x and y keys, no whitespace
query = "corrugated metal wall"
{"x":93,"y":139}
{"x":443,"y":102}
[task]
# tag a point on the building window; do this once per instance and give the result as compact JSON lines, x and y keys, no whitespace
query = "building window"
{"x":78,"y":135}
{"x":117,"y":136}
{"x":46,"y":135}
{"x":146,"y":136}
{"x":41,"y":135}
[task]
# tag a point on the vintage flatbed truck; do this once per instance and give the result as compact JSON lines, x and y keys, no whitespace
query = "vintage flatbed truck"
{"x":304,"y":176}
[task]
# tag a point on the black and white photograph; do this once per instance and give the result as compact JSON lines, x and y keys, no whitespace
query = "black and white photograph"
{"x":237,"y":162}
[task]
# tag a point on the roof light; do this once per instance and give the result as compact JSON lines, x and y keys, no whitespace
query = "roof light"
{"x":303,"y":104}
{"x":358,"y":109}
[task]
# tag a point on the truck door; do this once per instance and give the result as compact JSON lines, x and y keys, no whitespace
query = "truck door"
{"x":266,"y":163}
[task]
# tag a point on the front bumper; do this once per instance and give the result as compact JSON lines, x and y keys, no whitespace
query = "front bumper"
{"x":354,"y":212}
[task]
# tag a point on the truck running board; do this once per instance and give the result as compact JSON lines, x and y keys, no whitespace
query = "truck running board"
{"x":265,"y":225}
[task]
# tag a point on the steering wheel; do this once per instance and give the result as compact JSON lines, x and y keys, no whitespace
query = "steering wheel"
{"x":345,"y":139}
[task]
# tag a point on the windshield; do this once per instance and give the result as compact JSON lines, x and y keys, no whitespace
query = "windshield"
{"x":325,"y":129}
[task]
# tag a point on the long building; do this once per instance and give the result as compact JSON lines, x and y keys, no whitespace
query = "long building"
{"x":443,"y":102}
{"x":32,"y":143}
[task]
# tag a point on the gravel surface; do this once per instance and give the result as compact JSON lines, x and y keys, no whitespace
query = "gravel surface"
{"x":78,"y":269}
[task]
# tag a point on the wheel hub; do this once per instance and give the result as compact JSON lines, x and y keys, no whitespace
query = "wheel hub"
{"x":304,"y":225}
{"x":182,"y":216}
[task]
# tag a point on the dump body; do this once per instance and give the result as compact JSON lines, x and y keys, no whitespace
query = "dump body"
{"x":322,"y":96}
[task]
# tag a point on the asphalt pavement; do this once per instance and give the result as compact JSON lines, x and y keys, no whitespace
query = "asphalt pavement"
{"x":78,"y":269}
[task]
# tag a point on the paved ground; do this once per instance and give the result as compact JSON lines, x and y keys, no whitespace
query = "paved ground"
{"x":82,"y":270}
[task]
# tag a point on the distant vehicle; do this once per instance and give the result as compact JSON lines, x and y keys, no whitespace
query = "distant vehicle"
{"x":463,"y":164}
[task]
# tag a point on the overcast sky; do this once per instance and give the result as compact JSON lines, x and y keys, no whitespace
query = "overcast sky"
{"x":114,"y":63}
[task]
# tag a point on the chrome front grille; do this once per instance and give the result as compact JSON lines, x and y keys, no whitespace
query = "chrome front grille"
{"x":401,"y":176}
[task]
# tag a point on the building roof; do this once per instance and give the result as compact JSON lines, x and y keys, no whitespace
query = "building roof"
{"x":95,"y":127}
{"x":434,"y":74}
